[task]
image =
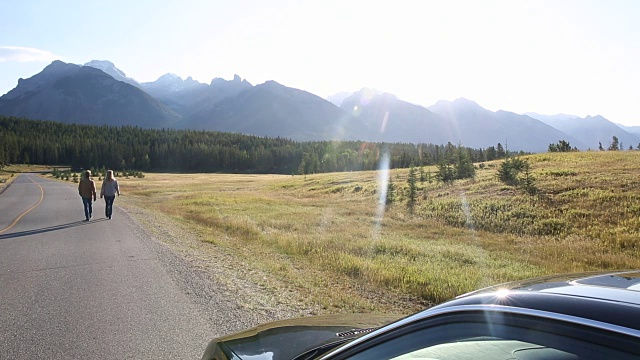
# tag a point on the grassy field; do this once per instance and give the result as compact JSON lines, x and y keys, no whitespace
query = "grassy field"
{"x":330,"y":236}
{"x":8,"y":173}
{"x":317,"y":231}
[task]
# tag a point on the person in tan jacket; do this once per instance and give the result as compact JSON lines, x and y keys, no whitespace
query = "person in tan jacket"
{"x":87,"y":190}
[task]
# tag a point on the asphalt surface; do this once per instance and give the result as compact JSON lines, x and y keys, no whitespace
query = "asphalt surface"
{"x":71,"y":289}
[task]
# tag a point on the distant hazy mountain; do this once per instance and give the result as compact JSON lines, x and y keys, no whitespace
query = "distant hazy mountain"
{"x":219,"y":89}
{"x":100,"y":93}
{"x":190,"y":96}
{"x":273,"y":110}
{"x":337,"y":99}
{"x":630,"y":129}
{"x":84,"y":95}
{"x":173,"y":91}
{"x":109,"y":68}
{"x":548,"y":119}
{"x":592,"y":131}
{"x":479,"y":127}
{"x":389,"y":119}
{"x":169,"y":84}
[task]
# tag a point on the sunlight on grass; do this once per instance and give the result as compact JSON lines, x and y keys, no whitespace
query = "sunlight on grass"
{"x":317,"y":230}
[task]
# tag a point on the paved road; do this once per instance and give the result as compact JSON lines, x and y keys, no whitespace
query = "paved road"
{"x":71,"y":289}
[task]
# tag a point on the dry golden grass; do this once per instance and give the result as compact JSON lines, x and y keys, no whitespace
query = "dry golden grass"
{"x":328,"y":235}
{"x":8,"y":173}
{"x":19,"y":168}
{"x":308,"y":229}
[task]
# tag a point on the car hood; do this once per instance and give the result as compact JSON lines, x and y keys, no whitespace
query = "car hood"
{"x":288,"y":339}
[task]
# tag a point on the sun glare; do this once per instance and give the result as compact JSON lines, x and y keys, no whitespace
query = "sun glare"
{"x":383,"y":183}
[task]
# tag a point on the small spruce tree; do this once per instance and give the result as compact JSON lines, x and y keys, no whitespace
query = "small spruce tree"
{"x":391,"y":193}
{"x":413,"y":188}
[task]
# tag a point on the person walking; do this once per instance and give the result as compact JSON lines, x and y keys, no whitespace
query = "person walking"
{"x":109,"y":190}
{"x":87,"y":190}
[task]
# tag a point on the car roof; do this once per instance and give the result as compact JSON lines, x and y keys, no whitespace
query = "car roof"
{"x":611,"y":298}
{"x":621,"y":286}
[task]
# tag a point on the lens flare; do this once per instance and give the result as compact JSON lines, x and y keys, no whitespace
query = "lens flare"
{"x":383,"y":182}
{"x":467,"y":211}
{"x":383,"y":126}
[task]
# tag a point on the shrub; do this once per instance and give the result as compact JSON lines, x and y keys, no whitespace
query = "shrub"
{"x":510,"y":169}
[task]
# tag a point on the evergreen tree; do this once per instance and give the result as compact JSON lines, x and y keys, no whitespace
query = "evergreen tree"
{"x":391,"y":192}
{"x":500,"y":153}
{"x":131,"y":148}
{"x":561,"y":146}
{"x":510,"y":169}
{"x":490,"y":153}
{"x":464,"y":167}
{"x":517,"y":172}
{"x":527,"y":181}
{"x":413,"y":188}
{"x":446,"y":173}
{"x":614,"y":144}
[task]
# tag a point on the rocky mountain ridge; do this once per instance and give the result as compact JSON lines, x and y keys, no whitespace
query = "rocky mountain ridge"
{"x":100,"y":93}
{"x":84,"y":95}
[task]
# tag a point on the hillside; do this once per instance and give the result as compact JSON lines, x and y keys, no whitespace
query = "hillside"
{"x":461,"y":236}
{"x":476,"y":126}
{"x":275,"y":110}
{"x":387,"y":118}
{"x":592,"y":131}
{"x":84,"y":95}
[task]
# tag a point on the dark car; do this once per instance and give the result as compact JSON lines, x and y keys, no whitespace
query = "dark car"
{"x":584,"y":316}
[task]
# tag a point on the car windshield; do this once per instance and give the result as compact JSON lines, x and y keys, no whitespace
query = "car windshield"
{"x":187,"y":170}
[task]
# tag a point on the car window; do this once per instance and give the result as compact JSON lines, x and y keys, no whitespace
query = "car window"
{"x":488,"y":348}
{"x":523,"y":338}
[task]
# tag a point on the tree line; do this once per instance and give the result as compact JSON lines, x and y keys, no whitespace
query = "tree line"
{"x":127,"y":147}
{"x":615,"y":145}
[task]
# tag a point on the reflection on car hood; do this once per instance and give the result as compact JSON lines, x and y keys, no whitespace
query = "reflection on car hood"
{"x":289,"y":338}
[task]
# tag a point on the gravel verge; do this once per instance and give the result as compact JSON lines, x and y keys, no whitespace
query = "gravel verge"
{"x":229,"y":293}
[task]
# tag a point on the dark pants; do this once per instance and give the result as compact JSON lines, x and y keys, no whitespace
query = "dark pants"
{"x":108,"y":211}
{"x":88,"y":208}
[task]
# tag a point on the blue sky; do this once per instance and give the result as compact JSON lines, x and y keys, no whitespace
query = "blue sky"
{"x":577,"y":57}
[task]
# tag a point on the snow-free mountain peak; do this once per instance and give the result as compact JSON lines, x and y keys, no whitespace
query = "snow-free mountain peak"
{"x":52,"y":72}
{"x":167,"y":79}
{"x":465,"y":102}
{"x":84,"y":95}
{"x":338,"y":98}
{"x":596,"y":118}
{"x":458,"y":108}
{"x":543,"y":117}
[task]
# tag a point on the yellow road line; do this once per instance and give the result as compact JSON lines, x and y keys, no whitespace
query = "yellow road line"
{"x":27,"y":211}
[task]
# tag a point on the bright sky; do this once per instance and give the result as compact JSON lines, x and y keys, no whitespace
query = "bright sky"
{"x":579,"y":57}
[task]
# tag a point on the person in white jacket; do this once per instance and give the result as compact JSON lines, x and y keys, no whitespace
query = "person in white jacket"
{"x":109,"y":190}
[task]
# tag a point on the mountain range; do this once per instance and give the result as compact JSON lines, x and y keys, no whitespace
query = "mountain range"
{"x":99,"y":93}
